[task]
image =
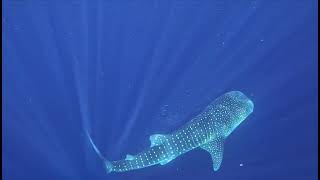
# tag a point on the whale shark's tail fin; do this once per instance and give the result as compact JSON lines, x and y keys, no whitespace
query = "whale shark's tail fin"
{"x":107,"y":164}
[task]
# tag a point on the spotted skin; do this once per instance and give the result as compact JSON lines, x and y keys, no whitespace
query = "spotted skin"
{"x":208,"y":131}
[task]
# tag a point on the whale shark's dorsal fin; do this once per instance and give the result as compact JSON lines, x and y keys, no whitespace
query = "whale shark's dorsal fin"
{"x":157,"y":139}
{"x":215,"y":148}
{"x":129,"y":157}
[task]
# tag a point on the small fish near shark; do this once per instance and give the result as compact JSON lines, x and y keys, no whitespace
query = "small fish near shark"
{"x":208,"y":131}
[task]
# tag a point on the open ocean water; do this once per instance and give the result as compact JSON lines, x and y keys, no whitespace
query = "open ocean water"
{"x":124,"y":70}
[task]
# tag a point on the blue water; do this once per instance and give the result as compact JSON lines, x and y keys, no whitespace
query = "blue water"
{"x":127,"y":69}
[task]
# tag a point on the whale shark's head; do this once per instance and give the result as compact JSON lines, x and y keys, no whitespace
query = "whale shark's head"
{"x":236,"y":107}
{"x":241,"y":102}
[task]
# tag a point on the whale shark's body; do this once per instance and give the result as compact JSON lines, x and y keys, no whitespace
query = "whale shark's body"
{"x":208,"y":130}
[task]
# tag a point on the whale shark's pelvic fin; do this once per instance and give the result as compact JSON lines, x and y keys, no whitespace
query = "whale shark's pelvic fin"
{"x":215,"y":148}
{"x":129,"y":157}
{"x":165,"y":161}
{"x":157,"y":139}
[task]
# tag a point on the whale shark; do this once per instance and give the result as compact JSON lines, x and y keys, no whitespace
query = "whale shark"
{"x":208,"y":131}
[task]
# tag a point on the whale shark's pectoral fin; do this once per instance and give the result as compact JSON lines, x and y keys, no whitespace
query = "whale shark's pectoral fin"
{"x":129,"y":157}
{"x":157,"y":139}
{"x":215,"y":148}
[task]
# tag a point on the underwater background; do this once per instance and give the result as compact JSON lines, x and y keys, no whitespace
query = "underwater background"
{"x":124,"y":70}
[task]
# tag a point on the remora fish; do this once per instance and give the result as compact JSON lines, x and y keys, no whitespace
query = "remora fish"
{"x":208,"y":130}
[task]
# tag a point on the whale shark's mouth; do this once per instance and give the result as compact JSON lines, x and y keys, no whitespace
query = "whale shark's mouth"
{"x":250,"y":105}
